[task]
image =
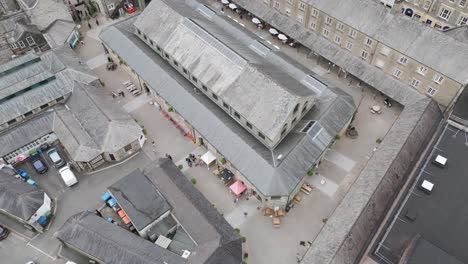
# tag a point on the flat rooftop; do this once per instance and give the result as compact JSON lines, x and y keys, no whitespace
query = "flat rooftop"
{"x":433,"y":225}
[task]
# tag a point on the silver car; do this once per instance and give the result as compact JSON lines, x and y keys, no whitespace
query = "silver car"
{"x":55,"y":158}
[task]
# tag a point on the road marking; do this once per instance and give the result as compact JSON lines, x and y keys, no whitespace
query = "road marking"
{"x":39,"y":250}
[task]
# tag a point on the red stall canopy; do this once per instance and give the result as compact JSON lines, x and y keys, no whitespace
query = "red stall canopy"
{"x":237,"y":188}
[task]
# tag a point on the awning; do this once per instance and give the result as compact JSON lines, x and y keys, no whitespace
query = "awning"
{"x":232,"y":6}
{"x":273,"y":31}
{"x":282,"y":37}
{"x":237,"y":188}
{"x":225,"y":2}
{"x":208,"y":158}
{"x":256,"y":21}
{"x":226,"y":175}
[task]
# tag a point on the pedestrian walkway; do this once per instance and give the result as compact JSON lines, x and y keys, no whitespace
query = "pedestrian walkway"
{"x":97,"y":61}
{"x":339,"y":160}
{"x":136,"y":103}
{"x":323,"y":184}
{"x":244,"y":210}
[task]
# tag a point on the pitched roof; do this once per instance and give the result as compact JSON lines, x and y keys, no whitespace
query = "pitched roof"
{"x":139,"y":198}
{"x":333,"y":109}
{"x":58,"y":32}
{"x":111,"y":244}
{"x":238,"y":68}
{"x":216,"y":240}
{"x":87,"y":124}
{"x":423,"y":44}
{"x":19,"y":198}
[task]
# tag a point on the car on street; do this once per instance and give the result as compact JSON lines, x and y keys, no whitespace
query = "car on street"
{"x":68,"y":176}
{"x":55,"y":157}
{"x":129,"y":8}
{"x":39,"y":166}
{"x":3,"y":232}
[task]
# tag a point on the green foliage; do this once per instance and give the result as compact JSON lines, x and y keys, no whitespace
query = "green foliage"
{"x":337,"y":137}
{"x":223,"y":160}
{"x":324,"y":220}
{"x":145,"y":132}
{"x":194,"y":181}
{"x":180,"y":166}
{"x":170,"y":109}
{"x":244,"y":239}
{"x":378,"y":141}
{"x":86,"y":18}
{"x":310,"y":172}
{"x":237,"y":230}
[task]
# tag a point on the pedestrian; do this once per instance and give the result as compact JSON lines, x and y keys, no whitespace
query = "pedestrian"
{"x":97,"y":22}
{"x":222,"y":9}
{"x":82,"y":43}
{"x":153,"y":143}
{"x":98,"y":213}
{"x":245,"y":214}
{"x":89,"y":25}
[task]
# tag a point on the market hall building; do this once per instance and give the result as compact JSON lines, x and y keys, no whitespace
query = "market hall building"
{"x":269,"y":118}
{"x":55,"y":98}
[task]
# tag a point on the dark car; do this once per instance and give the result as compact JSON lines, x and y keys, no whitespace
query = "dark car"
{"x":39,"y":165}
{"x":3,"y":232}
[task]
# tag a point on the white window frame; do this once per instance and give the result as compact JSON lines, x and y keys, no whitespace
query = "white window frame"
{"x":111,"y":6}
{"x":328,"y":20}
{"x":314,"y":13}
{"x":287,"y":11}
{"x":364,"y":54}
{"x":337,"y":39}
{"x":300,"y":18}
{"x":349,"y":45}
{"x":427,"y":4}
{"x":325,"y":32}
{"x":13,"y":45}
{"x":462,"y":19}
{"x":445,"y":13}
{"x":403,"y":60}
{"x":368,"y":42}
{"x":439,"y":79}
{"x":313,"y":25}
{"x":352,"y":33}
{"x":431,"y":91}
{"x":21,"y":44}
{"x":462,"y":3}
{"x":422,"y":70}
{"x":340,"y":26}
{"x":30,"y":40}
{"x":396,"y":73}
{"x":302,"y":6}
{"x":415,"y":83}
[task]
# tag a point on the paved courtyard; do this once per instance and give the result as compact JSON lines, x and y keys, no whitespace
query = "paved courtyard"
{"x":335,"y":175}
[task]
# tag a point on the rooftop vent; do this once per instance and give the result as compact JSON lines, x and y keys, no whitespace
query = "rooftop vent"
{"x":313,"y":83}
{"x":163,"y":242}
{"x":186,"y":254}
{"x":426,"y":186}
{"x":440,"y":161}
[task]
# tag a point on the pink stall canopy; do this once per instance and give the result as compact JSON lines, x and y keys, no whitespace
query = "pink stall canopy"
{"x":237,"y":188}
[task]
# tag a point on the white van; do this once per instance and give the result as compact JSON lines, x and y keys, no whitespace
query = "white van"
{"x":68,"y":176}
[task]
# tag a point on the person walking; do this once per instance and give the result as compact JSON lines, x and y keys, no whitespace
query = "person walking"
{"x":89,"y":25}
{"x":97,"y":22}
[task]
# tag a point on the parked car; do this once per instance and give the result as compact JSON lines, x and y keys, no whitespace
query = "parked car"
{"x":3,"y":232}
{"x":129,"y":8}
{"x":55,"y":158}
{"x":68,"y":176}
{"x":39,"y":165}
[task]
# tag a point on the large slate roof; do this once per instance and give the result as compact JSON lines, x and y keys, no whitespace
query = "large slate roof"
{"x":111,"y":244}
{"x":87,"y":124}
{"x":216,"y":240}
{"x":232,"y":63}
{"x":255,"y":161}
{"x":19,"y":198}
{"x":430,"y":47}
{"x":139,"y":198}
{"x":58,"y":32}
